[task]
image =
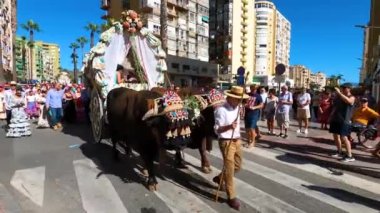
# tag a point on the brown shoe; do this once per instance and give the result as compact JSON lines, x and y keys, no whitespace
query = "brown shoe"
{"x":234,"y":203}
{"x":55,"y":127}
{"x":59,"y":125}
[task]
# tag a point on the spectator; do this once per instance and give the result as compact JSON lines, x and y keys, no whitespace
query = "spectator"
{"x":264,"y":95}
{"x":19,"y":125}
{"x":315,"y":105}
{"x":285,"y":101}
{"x":31,"y":105}
{"x":43,"y":118}
{"x":54,"y":104}
{"x":8,"y":96}
{"x":303,"y":111}
{"x":270,"y":105}
{"x":340,"y":120}
{"x":252,"y":116}
{"x":2,"y":104}
{"x":69,"y":113}
{"x":324,"y":110}
{"x":371,"y":99}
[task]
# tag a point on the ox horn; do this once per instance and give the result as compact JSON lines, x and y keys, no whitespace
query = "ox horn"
{"x":153,"y":110}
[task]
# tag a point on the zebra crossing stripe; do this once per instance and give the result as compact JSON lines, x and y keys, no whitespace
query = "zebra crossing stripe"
{"x":7,"y":201}
{"x":30,"y":182}
{"x":300,"y":186}
{"x":97,"y":193}
{"x":179,"y":199}
{"x":348,"y":179}
{"x":261,"y":201}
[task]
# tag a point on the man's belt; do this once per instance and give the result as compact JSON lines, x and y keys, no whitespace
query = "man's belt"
{"x":229,"y":139}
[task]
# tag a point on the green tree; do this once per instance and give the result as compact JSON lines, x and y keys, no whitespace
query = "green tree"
{"x":93,"y":28}
{"x":23,"y":57}
{"x":82,"y":41}
{"x":31,"y":27}
{"x":74,"y":46}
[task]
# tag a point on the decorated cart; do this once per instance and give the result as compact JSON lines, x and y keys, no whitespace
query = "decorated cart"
{"x":131,"y":45}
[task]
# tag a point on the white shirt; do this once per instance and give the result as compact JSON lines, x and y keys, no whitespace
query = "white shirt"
{"x":8,"y":99}
{"x":284,"y":108}
{"x":303,"y":98}
{"x":226,"y":115}
{"x":264,"y":96}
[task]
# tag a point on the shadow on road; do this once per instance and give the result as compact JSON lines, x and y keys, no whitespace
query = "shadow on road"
{"x":346,"y":196}
{"x":102,"y":155}
{"x":318,"y":155}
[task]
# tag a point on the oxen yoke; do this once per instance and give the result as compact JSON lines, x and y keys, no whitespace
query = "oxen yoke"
{"x":171,"y":107}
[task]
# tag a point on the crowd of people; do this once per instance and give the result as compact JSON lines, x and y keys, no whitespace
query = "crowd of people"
{"x":338,"y":111}
{"x":47,"y":104}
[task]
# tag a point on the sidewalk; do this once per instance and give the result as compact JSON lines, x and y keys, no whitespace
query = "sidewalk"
{"x":317,"y":147}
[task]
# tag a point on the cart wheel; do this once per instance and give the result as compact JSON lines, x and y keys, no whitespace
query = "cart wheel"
{"x":366,"y":142}
{"x":96,"y":115}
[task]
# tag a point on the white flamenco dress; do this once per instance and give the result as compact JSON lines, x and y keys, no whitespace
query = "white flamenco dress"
{"x":19,"y":125}
{"x":43,"y":118}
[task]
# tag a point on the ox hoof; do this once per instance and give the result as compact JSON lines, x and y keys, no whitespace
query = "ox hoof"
{"x":153,"y":187}
{"x":206,"y":170}
{"x":145,"y":173}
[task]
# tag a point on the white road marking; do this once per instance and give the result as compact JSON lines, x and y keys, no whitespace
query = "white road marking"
{"x":179,"y":199}
{"x":250,"y":195}
{"x":97,"y":193}
{"x":30,"y":182}
{"x":300,"y":186}
{"x":348,"y":179}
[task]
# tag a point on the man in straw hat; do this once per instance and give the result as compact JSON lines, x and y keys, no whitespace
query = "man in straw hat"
{"x":227,"y":127}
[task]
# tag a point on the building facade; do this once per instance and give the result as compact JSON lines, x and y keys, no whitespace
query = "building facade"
{"x":259,"y":40}
{"x":46,"y":60}
{"x":232,"y":47}
{"x":187,"y":30}
{"x":7,"y":33}
{"x":318,"y":81}
{"x":301,"y":76}
{"x":272,"y":41}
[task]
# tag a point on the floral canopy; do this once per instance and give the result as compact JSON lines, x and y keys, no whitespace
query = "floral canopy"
{"x":126,"y":37}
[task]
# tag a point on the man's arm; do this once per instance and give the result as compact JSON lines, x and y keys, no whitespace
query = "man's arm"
{"x":347,"y":100}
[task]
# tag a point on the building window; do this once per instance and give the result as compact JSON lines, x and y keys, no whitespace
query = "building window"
{"x":204,"y":69}
{"x":175,"y":65}
{"x":185,"y":67}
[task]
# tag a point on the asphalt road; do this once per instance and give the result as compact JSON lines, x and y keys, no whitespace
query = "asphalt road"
{"x":66,"y":172}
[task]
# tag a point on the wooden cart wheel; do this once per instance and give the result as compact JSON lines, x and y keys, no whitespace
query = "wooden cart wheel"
{"x":96,"y":115}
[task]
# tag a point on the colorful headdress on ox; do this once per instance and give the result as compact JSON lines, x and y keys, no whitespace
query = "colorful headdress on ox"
{"x":172,"y":107}
{"x":215,"y":98}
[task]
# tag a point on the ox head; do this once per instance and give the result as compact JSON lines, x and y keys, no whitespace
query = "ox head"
{"x":170,"y":120}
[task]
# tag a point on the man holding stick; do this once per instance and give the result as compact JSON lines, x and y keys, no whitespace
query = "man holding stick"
{"x":227,"y":127}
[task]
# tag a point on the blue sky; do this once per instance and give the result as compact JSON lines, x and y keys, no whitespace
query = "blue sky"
{"x":323,"y":34}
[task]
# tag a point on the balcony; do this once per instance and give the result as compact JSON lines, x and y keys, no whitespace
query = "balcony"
{"x":105,"y":17}
{"x":172,"y":13}
{"x":105,"y":4}
{"x":147,"y":6}
{"x":172,"y":2}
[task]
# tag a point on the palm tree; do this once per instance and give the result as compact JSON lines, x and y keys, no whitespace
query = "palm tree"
{"x":31,"y":27}
{"x":74,"y":46}
{"x":23,"y":56}
{"x":164,"y":27}
{"x":93,"y":28}
{"x":82,"y":41}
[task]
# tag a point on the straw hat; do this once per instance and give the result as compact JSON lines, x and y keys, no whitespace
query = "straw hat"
{"x":236,"y":92}
{"x":13,"y":83}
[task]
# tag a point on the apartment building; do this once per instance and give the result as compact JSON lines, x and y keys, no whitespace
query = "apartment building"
{"x":232,"y":47}
{"x":46,"y":60}
{"x":319,"y":80}
{"x":301,"y":76}
{"x":272,"y":41}
{"x":7,"y":34}
{"x":187,"y":30}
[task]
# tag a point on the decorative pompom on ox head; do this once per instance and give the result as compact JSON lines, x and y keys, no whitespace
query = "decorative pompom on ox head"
{"x":215,"y":98}
{"x":131,"y":21}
